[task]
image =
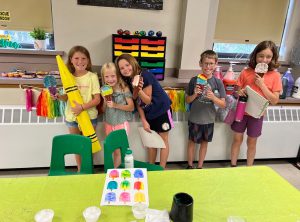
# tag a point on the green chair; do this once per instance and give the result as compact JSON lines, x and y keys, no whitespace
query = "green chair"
{"x":71,"y":144}
{"x":118,"y":140}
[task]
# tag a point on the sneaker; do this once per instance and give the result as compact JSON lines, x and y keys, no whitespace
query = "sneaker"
{"x":190,"y":167}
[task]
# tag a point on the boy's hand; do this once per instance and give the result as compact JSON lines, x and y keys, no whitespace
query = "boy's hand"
{"x":197,"y":90}
{"x":210,"y":95}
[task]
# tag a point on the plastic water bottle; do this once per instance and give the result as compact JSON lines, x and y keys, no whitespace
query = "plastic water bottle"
{"x":129,"y":159}
{"x":240,"y":108}
{"x":284,"y":88}
{"x":289,"y":76}
{"x":217,"y":94}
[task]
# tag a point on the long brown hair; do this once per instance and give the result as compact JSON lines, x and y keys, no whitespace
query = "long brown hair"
{"x":82,"y":50}
{"x":260,"y":47}
{"x":136,"y":69}
{"x":111,"y":66}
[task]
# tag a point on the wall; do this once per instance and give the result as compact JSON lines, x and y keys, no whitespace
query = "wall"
{"x":92,"y":26}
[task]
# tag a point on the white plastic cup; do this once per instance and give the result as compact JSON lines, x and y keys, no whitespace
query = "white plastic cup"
{"x":45,"y":215}
{"x":91,"y":214}
{"x":139,"y":210}
{"x":235,"y":219}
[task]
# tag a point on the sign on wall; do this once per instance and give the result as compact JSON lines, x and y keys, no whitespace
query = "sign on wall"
{"x":140,"y":4}
{"x":4,"y":16}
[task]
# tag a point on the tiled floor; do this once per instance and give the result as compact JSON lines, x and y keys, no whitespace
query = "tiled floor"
{"x":282,"y":167}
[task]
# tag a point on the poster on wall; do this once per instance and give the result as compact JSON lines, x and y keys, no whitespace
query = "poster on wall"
{"x":137,"y":4}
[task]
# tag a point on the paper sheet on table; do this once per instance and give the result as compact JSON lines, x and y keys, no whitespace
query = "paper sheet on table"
{"x":256,"y":104}
{"x":152,"y":140}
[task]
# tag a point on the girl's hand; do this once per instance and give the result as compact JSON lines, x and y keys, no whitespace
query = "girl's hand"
{"x":110,"y":104}
{"x":137,"y":89}
{"x":146,"y":126}
{"x":242,"y":92}
{"x":259,"y":81}
{"x":54,"y":97}
{"x":77,"y":109}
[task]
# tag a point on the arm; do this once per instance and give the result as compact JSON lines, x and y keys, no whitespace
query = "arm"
{"x":217,"y":100}
{"x":191,"y":98}
{"x":143,"y":119}
{"x":63,"y":97}
{"x":273,"y":97}
{"x":104,"y":105}
{"x":78,"y":108}
{"x":220,"y":102}
{"x":127,"y":107}
{"x":146,"y":94}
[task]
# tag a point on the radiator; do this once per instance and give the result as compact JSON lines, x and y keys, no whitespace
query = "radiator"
{"x":26,"y":138}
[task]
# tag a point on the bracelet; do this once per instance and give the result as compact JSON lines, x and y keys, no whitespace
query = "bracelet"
{"x":82,"y":108}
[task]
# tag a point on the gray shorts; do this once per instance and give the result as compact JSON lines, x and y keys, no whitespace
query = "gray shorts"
{"x":200,"y":132}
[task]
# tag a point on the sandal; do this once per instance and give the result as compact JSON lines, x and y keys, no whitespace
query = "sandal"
{"x":189,"y":167}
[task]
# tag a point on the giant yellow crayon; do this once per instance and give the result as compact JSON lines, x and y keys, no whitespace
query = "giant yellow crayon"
{"x":73,"y":93}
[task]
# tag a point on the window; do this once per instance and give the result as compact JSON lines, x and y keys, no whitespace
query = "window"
{"x":241,"y":25}
{"x":25,"y":40}
{"x":23,"y":16}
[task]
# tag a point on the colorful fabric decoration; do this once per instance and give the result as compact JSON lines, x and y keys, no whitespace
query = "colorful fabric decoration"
{"x":178,"y":100}
{"x":29,"y":100}
{"x":41,"y":107}
{"x":62,"y":104}
{"x":47,"y":107}
{"x":181,"y":100}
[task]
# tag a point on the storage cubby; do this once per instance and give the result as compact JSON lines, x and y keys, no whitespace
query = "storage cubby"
{"x":150,"y":51}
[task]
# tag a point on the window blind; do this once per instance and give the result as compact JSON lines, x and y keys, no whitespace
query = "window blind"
{"x":250,"y":21}
{"x":26,"y":15}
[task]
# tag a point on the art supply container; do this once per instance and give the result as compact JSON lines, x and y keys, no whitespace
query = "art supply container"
{"x":45,"y":215}
{"x":182,"y":208}
{"x":91,"y":214}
